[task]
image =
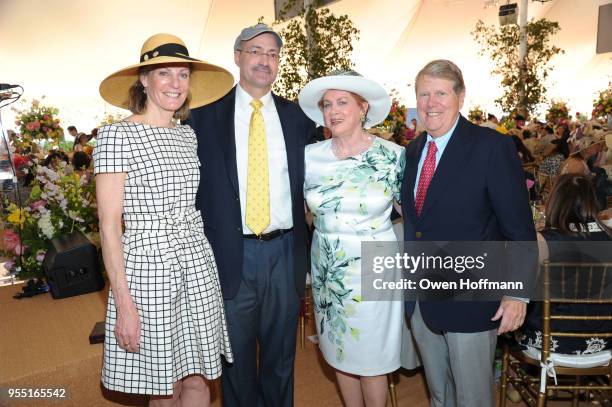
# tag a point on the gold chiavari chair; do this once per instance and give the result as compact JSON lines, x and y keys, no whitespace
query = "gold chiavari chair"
{"x":591,"y":285}
{"x":306,"y":312}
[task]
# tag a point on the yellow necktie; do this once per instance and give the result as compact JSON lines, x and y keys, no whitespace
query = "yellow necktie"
{"x":258,"y":189}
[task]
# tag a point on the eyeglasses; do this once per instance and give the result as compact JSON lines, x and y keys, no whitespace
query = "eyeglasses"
{"x":256,"y":52}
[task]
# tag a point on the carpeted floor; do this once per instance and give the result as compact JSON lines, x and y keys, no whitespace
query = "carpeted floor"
{"x":43,"y":343}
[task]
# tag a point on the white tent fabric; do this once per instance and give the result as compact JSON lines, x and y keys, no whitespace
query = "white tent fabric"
{"x":64,"y":48}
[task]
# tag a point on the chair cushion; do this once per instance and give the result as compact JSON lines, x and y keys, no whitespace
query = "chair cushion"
{"x":576,"y":361}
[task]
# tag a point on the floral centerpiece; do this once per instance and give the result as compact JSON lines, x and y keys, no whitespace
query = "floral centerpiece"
{"x":396,"y":118}
{"x":60,"y":202}
{"x":602,"y":105}
{"x":38,"y":123}
{"x":557,"y":112}
{"x":110,"y":118}
{"x":476,"y":114}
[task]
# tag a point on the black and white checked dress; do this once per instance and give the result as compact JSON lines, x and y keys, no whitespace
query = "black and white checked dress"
{"x":169,"y":264}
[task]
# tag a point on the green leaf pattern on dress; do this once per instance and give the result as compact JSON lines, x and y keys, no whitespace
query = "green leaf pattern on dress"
{"x":380,"y":168}
{"x":330,"y":293}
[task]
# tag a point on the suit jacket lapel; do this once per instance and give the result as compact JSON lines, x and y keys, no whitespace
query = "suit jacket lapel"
{"x":453,"y":158}
{"x":290,"y":141}
{"x":227,"y":138}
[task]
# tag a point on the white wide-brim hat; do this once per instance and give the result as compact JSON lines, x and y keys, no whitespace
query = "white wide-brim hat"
{"x":377,"y":97}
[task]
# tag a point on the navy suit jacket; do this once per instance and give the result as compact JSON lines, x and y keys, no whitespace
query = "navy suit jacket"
{"x":477,"y":193}
{"x":218,"y":196}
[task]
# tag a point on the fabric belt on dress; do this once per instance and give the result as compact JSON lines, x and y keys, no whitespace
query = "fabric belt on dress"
{"x":269,"y":236}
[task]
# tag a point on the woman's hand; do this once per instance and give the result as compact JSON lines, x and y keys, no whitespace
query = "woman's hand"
{"x":127,"y":327}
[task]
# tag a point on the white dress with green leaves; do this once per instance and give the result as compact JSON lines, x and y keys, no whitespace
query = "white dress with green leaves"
{"x":351,"y":201}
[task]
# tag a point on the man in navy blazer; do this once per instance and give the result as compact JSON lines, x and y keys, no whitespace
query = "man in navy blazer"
{"x":477,"y":193}
{"x":262,"y":275}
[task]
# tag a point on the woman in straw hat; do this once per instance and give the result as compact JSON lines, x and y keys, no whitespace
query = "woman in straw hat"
{"x":165,"y":322}
{"x":351,"y":182}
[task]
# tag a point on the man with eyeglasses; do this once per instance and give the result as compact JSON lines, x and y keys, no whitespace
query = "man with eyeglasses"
{"x":251,"y":149}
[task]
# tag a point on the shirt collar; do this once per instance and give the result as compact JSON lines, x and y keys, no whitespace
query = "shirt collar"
{"x":243,"y":99}
{"x":443,"y":140}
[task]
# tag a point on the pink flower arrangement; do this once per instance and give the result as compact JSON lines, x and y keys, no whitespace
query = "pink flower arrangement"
{"x":37,"y":123}
{"x":11,"y":240}
{"x":602,"y":106}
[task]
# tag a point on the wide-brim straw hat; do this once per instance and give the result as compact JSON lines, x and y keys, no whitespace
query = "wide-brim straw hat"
{"x":377,"y":97}
{"x":207,"y":82}
{"x":588,"y":141}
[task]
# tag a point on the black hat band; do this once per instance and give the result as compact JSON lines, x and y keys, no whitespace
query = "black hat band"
{"x":167,"y":50}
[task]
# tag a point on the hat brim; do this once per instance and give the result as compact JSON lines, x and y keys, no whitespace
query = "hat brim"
{"x":582,"y":148}
{"x":377,"y":97}
{"x":207,"y":82}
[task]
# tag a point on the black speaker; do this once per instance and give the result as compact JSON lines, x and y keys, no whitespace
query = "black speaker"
{"x":508,"y":14}
{"x":71,"y":266}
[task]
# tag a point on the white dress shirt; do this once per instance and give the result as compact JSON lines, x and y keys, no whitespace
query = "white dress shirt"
{"x":278,"y":178}
{"x":441,"y":143}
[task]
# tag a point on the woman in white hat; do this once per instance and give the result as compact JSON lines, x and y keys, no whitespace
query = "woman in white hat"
{"x":165,"y":322}
{"x":351,"y":182}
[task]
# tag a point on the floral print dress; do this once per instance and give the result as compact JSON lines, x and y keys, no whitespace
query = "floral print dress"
{"x":351,"y":201}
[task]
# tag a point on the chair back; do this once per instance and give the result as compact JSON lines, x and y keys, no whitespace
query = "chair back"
{"x":575,"y":283}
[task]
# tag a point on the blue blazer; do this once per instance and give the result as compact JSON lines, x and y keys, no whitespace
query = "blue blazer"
{"x":477,"y":193}
{"x":218,"y":196}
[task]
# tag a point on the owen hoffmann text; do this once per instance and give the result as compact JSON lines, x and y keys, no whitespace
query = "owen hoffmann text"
{"x":457,"y":264}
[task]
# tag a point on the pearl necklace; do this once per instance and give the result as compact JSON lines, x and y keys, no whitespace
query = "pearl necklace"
{"x":364,"y":144}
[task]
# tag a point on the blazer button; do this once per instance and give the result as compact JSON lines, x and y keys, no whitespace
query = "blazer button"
{"x":238,"y":229}
{"x":418,"y":235}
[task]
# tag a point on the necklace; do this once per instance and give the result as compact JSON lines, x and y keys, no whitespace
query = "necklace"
{"x":363,"y":145}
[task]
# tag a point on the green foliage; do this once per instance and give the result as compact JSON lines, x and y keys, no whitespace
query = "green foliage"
{"x":523,"y":86}
{"x":476,"y":114}
{"x":316,"y":42}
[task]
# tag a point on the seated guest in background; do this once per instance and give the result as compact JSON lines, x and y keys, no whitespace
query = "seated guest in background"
{"x":571,"y":215}
{"x":591,"y":149}
{"x":54,"y":157}
{"x":361,"y":174}
{"x":73,"y":132}
{"x":462,"y":183}
{"x":524,"y":153}
{"x":411,"y":131}
{"x":81,"y":162}
{"x":491,"y":122}
{"x":520,"y":121}
{"x":165,"y":323}
{"x":574,"y":165}
{"x":80,"y":142}
{"x":554,"y":156}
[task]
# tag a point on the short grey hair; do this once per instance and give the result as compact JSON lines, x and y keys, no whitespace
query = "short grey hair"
{"x":444,"y":69}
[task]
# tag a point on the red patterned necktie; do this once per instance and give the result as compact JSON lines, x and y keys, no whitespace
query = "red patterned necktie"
{"x":427,"y":172}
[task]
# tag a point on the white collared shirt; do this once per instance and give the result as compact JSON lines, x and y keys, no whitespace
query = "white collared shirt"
{"x":441,"y":143}
{"x":280,"y":189}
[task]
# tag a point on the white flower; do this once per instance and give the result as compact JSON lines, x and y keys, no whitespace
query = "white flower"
{"x":75,"y":215}
{"x":45,"y":225}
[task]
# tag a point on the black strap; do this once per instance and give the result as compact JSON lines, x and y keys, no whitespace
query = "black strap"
{"x":167,"y":50}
